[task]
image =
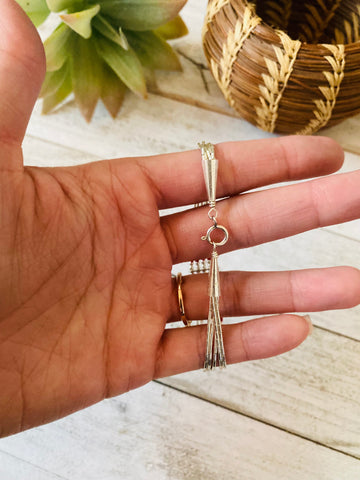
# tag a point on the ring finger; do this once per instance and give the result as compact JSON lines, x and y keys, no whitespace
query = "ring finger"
{"x":257,"y":293}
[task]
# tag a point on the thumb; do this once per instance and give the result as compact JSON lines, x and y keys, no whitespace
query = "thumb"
{"x":22,"y":69}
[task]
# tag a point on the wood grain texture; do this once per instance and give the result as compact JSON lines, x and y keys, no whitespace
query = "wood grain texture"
{"x":159,"y":432}
{"x":14,"y":468}
{"x":347,"y":134}
{"x":155,"y":126}
{"x":156,"y":433}
{"x":312,"y":391}
{"x":349,"y":229}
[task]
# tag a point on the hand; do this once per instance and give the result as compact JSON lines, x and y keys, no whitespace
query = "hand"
{"x":85,"y":264}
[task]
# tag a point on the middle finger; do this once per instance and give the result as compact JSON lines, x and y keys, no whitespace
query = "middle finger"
{"x":264,"y":216}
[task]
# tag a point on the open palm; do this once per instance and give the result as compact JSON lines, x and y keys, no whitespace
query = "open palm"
{"x":85,"y":263}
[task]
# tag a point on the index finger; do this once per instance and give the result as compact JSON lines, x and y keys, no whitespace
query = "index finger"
{"x":177,"y":178}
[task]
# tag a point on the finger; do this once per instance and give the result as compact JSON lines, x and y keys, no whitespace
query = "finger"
{"x":177,"y":178}
{"x":267,"y":215}
{"x":257,"y":293}
{"x":183,"y":349}
{"x":22,"y":68}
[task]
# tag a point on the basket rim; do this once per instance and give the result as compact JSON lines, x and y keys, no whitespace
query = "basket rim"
{"x":310,"y":47}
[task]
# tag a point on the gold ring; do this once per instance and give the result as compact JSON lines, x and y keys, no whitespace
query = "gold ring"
{"x":186,"y":322}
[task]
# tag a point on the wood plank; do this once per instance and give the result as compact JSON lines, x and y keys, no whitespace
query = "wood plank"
{"x":350,"y":229}
{"x":320,"y":248}
{"x":347,"y":134}
{"x":156,"y":433}
{"x":312,"y":391}
{"x":157,"y":125}
{"x":14,"y":468}
{"x":41,"y":153}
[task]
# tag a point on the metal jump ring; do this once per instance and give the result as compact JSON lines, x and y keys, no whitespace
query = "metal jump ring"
{"x":212,"y":213}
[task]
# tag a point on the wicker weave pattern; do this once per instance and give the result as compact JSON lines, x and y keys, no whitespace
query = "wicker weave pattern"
{"x":231,"y":48}
{"x":272,"y":75}
{"x":275,"y":83}
{"x":318,"y":17}
{"x":214,"y":7}
{"x":351,"y":31}
{"x":324,"y":108}
{"x":278,"y":12}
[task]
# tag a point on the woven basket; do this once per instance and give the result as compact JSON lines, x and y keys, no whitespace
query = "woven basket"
{"x":287,"y":66}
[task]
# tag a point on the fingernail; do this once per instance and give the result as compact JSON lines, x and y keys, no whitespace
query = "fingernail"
{"x":309,"y":322}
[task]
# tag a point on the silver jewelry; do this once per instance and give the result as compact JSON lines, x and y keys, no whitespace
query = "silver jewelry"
{"x":215,"y":352}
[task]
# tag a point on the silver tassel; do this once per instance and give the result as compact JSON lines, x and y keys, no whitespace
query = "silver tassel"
{"x":215,"y":353}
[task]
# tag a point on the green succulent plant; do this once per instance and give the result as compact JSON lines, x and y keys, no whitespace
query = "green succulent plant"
{"x":101,"y":48}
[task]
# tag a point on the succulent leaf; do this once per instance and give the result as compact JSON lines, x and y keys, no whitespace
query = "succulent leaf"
{"x":141,"y":14}
{"x":52,"y":101}
{"x":153,"y":51}
{"x":105,"y":28}
{"x":57,"y":47}
{"x":124,"y":63}
{"x":37,"y":10}
{"x":80,"y":22}
{"x":86,"y":74}
{"x":176,"y":28}
{"x":150,"y":78}
{"x":53,"y":81}
{"x":112,"y":91}
{"x":124,"y":40}
{"x":103,"y":47}
{"x":60,"y":5}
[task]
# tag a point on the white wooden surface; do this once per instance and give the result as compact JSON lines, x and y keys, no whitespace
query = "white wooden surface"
{"x":293,"y":417}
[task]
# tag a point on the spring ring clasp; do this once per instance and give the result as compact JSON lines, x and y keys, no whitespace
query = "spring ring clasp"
{"x":214,"y":227}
